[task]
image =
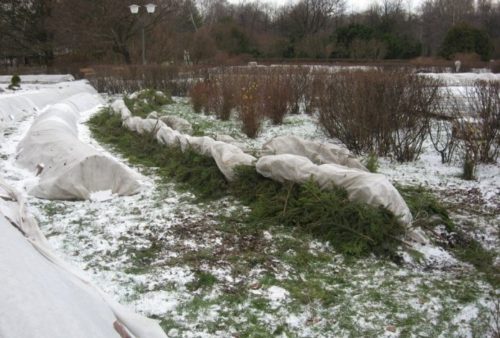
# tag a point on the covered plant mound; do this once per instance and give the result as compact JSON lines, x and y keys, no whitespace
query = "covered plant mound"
{"x":68,"y":168}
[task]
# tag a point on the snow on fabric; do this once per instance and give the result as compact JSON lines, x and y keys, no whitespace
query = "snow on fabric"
{"x":317,"y":152}
{"x":15,"y":107}
{"x":373,"y":189}
{"x":44,"y":297}
{"x":68,"y":168}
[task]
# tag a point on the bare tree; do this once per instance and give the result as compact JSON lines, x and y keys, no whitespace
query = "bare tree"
{"x":103,"y":25}
{"x":311,"y":16}
{"x":438,"y":16}
{"x":24,"y":29}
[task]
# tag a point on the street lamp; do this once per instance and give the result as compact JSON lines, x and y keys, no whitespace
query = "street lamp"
{"x":150,"y":9}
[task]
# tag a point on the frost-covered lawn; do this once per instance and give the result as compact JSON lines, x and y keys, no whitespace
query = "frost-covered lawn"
{"x":203,"y":273}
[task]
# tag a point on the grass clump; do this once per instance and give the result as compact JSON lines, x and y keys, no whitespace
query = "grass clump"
{"x":372,"y":162}
{"x":147,"y":101}
{"x":202,"y":280}
{"x":469,"y":168}
{"x":426,"y":210}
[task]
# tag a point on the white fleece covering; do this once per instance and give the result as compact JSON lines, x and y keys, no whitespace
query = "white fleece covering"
{"x":42,"y":296}
{"x":68,"y":168}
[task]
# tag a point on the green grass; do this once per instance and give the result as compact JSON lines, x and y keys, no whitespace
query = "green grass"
{"x":202,"y":280}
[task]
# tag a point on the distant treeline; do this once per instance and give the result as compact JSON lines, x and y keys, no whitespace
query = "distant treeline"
{"x":105,"y":31}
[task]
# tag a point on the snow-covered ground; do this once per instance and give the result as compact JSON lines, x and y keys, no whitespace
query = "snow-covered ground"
{"x":203,"y":274}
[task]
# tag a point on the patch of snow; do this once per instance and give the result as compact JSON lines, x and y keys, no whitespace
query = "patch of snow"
{"x":436,"y":256}
{"x":101,"y":196}
{"x":277,"y":296}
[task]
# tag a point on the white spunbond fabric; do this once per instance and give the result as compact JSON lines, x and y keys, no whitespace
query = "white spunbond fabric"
{"x":361,"y":186}
{"x":369,"y":188}
{"x":317,"y":152}
{"x":167,"y":136}
{"x":231,"y":140}
{"x":201,"y":144}
{"x":228,"y":157}
{"x":121,"y":108}
{"x":70,"y":169}
{"x":44,"y":297}
{"x":39,"y":301}
{"x":16,"y":106}
{"x":177,"y":123}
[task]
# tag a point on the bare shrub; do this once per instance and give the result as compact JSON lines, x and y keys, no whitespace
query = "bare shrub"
{"x":411,"y":101}
{"x":441,"y":136}
{"x":313,"y":92}
{"x":477,"y":123}
{"x":383,"y":111}
{"x":222,"y":95}
{"x":199,"y":94}
{"x":276,"y":96}
{"x":249,"y":104}
{"x":299,"y":81}
{"x":484,"y":100}
{"x":228,"y":99}
{"x":344,"y":109}
{"x":495,"y":68}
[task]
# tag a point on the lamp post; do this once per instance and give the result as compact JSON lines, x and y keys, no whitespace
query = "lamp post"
{"x":150,"y":9}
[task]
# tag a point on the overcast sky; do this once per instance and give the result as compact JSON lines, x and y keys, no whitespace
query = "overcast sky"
{"x":352,"y":5}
